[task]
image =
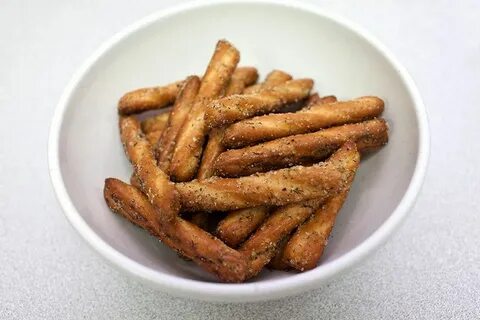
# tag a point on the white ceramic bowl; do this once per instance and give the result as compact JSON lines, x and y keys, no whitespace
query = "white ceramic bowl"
{"x":84,"y":146}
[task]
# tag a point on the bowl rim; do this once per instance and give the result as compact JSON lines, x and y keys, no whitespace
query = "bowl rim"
{"x":250,"y":291}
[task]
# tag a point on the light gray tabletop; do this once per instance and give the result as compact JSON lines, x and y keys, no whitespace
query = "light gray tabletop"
{"x":429,"y":269}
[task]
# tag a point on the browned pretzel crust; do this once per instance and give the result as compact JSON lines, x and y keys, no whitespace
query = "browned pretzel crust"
{"x":155,"y":123}
{"x":155,"y":183}
{"x":263,"y":244}
{"x":187,"y":239}
{"x":148,"y":98}
{"x":272,"y":188}
{"x":241,"y":77}
{"x":316,"y":117}
{"x":239,"y":224}
{"x":166,"y":144}
{"x":305,"y":247}
{"x":238,"y":107}
{"x":274,"y":78}
{"x":213,"y":148}
{"x":300,"y":149}
{"x":190,"y":139}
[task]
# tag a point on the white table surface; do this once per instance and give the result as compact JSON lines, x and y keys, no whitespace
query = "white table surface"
{"x":429,"y":269}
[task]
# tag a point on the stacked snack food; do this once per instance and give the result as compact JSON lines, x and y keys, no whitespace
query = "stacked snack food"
{"x":228,"y":145}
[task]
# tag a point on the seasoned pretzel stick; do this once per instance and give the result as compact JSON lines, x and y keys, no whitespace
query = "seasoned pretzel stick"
{"x":213,"y":148}
{"x":166,"y":144}
{"x":300,"y":149}
{"x":263,"y":244}
{"x":274,"y":78}
{"x":239,"y":224}
{"x":154,"y":182}
{"x":241,"y":77}
{"x":187,"y":239}
{"x":316,"y":117}
{"x":272,"y":188}
{"x":153,"y":129}
{"x":148,"y":99}
{"x":191,"y":137}
{"x":238,"y":107}
{"x":155,"y":123}
{"x":305,"y":247}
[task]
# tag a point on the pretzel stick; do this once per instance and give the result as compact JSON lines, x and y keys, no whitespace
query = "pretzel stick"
{"x":152,"y":128}
{"x":238,"y":107}
{"x":241,"y":77}
{"x":316,"y":117}
{"x":274,"y":78}
{"x":148,"y":99}
{"x":187,"y":239}
{"x":300,"y":149}
{"x":213,"y":148}
{"x":272,"y":188}
{"x":191,"y":137}
{"x":155,"y":123}
{"x":262,"y":245}
{"x":306,"y":246}
{"x":154,"y":182}
{"x":166,"y":144}
{"x":239,"y":224}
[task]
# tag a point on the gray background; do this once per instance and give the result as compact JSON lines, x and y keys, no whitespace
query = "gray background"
{"x":429,"y":269}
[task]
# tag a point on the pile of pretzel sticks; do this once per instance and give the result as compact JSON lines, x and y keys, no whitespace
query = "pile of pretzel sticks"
{"x":240,"y":175}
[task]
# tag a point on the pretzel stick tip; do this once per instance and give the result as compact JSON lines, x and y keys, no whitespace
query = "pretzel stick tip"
{"x":191,"y":138}
{"x":241,"y":77}
{"x":145,"y":99}
{"x":239,"y":224}
{"x":274,"y":78}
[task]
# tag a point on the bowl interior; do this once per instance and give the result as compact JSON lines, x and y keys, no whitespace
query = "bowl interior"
{"x":269,"y":36}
